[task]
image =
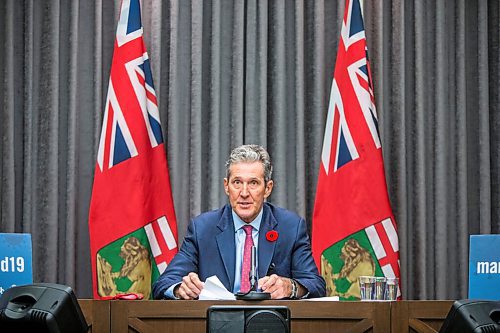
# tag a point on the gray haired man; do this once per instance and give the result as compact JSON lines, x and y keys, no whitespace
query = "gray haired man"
{"x":216,"y":242}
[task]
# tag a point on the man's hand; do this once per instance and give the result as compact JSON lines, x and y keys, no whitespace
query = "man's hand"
{"x":279,"y":287}
{"x":190,"y":288}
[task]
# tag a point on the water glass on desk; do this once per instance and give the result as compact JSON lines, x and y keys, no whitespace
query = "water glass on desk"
{"x":391,"y":289}
{"x":379,"y":288}
{"x":366,"y":287}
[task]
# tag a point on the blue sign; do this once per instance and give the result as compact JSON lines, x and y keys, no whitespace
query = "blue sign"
{"x":15,"y":260}
{"x":484,"y":267}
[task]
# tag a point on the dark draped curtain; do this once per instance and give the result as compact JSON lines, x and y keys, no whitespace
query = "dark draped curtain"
{"x":255,"y":71}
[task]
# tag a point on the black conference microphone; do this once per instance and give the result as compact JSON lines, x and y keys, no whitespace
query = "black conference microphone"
{"x":253,"y":269}
{"x":253,"y":294}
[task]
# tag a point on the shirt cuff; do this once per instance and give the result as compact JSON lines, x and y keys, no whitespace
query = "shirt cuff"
{"x":169,"y":293}
{"x":305,"y":296}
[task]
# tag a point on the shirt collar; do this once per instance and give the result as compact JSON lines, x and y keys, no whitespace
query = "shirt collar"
{"x":238,"y":222}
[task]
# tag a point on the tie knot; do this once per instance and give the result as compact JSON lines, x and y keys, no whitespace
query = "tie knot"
{"x":248,"y":229}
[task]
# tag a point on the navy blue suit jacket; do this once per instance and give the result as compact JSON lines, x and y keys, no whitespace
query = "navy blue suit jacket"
{"x":209,"y":249}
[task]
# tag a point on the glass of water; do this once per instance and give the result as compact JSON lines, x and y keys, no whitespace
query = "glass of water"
{"x":366,"y":287}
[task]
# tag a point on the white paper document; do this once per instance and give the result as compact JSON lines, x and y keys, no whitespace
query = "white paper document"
{"x":215,"y":290}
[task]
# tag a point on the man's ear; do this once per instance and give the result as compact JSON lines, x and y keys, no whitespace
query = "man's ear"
{"x":226,"y":186}
{"x":269,"y":188}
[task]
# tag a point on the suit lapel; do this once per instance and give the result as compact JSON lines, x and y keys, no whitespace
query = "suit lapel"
{"x":266,"y":248}
{"x":225,"y":243}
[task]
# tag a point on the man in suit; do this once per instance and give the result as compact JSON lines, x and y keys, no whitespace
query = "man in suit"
{"x":216,"y":241}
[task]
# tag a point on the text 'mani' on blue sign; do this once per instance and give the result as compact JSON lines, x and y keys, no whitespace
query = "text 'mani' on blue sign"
{"x":484,"y":267}
{"x":15,"y":260}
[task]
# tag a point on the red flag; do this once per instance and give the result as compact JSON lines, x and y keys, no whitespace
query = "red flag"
{"x":354,"y":231}
{"x":132,"y":225}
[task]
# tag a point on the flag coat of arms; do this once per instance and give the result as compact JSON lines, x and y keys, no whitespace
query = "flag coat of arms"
{"x":132,"y":225}
{"x":354,"y":231}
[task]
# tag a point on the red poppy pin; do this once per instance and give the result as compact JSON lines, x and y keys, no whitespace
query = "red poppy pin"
{"x":272,"y":235}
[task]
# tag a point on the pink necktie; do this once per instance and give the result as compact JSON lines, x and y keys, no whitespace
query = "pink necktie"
{"x":247,"y":254}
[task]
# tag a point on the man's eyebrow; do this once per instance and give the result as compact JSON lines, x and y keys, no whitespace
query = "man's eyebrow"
{"x":249,"y":179}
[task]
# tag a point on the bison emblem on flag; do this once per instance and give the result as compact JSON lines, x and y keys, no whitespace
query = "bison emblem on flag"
{"x":129,"y":264}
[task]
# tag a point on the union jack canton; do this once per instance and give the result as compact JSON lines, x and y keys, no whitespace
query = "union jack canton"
{"x":119,"y":139}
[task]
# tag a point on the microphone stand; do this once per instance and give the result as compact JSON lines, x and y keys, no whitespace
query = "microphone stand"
{"x":253,"y":294}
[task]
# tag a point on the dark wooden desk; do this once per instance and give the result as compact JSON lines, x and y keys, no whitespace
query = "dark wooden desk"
{"x":97,"y":315}
{"x":306,"y":316}
{"x":418,"y":316}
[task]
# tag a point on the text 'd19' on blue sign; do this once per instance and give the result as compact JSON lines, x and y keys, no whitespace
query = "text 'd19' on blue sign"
{"x":15,"y":260}
{"x":484,"y":267}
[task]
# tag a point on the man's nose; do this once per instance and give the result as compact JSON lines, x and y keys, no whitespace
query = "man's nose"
{"x":244,"y":190}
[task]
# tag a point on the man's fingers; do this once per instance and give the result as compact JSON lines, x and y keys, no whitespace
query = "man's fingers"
{"x":262,"y":281}
{"x":189,"y":292}
{"x":271,"y":281}
{"x":276,"y":285}
{"x":191,"y":287}
{"x":189,"y":284}
{"x":196,"y":281}
{"x":183,"y":292}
